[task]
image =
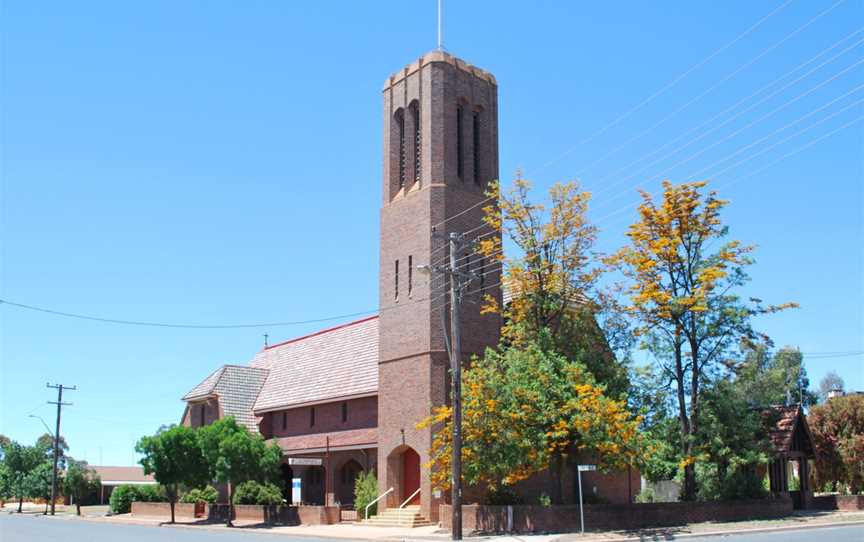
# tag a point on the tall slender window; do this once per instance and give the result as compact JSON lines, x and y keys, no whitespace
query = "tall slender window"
{"x":396,"y":280}
{"x":481,"y":269}
{"x":476,"y":126}
{"x":415,"y":110}
{"x":284,"y":421}
{"x":201,"y":417}
{"x":459,"y":151}
{"x":400,"y":128}
{"x":312,"y":416}
{"x":344,"y":411}
{"x":410,"y":274}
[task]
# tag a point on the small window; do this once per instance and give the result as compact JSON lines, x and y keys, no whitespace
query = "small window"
{"x":410,"y":274}
{"x":396,"y":280}
{"x":476,"y":126}
{"x":312,"y":417}
{"x":344,"y":411}
{"x":459,"y":146}
{"x":284,"y":421}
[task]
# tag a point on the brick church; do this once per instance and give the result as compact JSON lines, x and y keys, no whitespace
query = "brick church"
{"x":346,"y":399}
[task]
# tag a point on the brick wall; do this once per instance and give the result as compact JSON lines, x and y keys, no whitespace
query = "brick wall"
{"x":846,"y":503}
{"x":281,"y":515}
{"x":533,"y":519}
{"x":163,"y":509}
{"x":207,"y":411}
{"x":362,"y":413}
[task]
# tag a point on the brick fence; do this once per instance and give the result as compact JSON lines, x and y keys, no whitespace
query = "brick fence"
{"x":163,"y":509}
{"x":846,"y":503}
{"x":534,"y":519}
{"x":282,"y":515}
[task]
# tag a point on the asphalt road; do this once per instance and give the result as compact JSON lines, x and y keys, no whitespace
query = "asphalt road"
{"x":822,"y":534}
{"x":34,"y":528}
{"x":29,"y":528}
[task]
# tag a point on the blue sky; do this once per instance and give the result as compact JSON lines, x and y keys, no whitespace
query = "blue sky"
{"x":207,"y":162}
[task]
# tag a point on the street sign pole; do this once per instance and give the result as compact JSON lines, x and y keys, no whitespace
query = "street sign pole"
{"x":579,"y":469}
{"x":581,"y":509}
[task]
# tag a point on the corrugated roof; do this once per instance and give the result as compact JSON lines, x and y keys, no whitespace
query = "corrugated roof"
{"x":331,"y":364}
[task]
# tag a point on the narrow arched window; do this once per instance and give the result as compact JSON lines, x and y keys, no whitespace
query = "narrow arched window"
{"x":476,"y":138}
{"x":400,"y":135}
{"x":415,"y":111}
{"x":459,"y":144}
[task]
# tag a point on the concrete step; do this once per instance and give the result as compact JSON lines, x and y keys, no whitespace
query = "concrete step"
{"x":399,"y":517}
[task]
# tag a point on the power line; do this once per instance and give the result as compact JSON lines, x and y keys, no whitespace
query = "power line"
{"x":686,"y":135}
{"x":669,"y":85}
{"x":713,"y":87}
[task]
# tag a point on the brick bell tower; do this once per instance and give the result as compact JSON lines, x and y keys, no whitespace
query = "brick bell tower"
{"x":440,"y":153}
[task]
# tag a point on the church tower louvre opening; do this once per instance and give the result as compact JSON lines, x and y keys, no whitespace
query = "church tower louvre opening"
{"x":440,"y":153}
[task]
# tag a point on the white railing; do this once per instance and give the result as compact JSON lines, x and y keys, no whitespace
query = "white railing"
{"x":381,"y":496}
{"x":409,"y":498}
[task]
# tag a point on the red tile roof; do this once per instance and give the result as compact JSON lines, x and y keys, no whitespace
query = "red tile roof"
{"x":328,"y":365}
{"x":338,"y":439}
{"x":781,"y":432}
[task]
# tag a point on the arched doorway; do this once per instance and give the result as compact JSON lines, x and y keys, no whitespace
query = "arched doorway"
{"x":347,"y":477}
{"x":410,"y":475}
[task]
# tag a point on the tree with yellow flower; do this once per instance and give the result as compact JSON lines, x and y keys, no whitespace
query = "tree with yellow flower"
{"x":527,"y":409}
{"x":553,"y":278}
{"x":682,"y":278}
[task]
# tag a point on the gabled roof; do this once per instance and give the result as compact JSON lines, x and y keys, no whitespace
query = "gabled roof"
{"x":332,"y":364}
{"x":236,"y":387}
{"x":205,"y":388}
{"x":790,"y":425}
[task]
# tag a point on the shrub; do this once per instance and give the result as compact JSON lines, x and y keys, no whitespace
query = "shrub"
{"x":151,"y":493}
{"x":257,"y":493}
{"x":121,"y":499}
{"x":207,"y":494}
{"x":365,"y":491}
{"x":544,"y":500}
{"x":269,"y":494}
{"x":502,"y":496}
{"x":646,"y":495}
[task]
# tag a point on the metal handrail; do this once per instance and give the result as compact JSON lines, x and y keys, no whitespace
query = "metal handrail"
{"x":409,"y":498}
{"x":381,"y":496}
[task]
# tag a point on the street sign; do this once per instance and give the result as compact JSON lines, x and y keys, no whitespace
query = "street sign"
{"x":579,"y":471}
{"x":587,"y":468}
{"x":309,"y":461}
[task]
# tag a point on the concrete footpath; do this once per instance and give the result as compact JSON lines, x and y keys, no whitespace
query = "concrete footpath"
{"x":351,"y":531}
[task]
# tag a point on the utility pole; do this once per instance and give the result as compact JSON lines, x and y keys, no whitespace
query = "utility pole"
{"x":60,"y":404}
{"x":456,"y":280}
{"x":459,"y":281}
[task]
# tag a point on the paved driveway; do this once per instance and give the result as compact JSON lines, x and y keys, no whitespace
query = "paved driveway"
{"x":27,"y":528}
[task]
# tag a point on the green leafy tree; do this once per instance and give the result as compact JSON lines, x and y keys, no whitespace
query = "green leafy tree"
{"x":767,"y":378}
{"x":39,"y":480}
{"x":235,"y":456}
{"x":81,"y":481}
{"x":683,"y":297}
{"x":207,"y":494}
{"x":253,"y":492}
{"x":174,"y":457}
{"x":46,"y":441}
{"x":21,"y":462}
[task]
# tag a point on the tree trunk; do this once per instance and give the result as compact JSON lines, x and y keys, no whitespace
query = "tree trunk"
{"x":78,"y":506}
{"x":555,"y":472}
{"x":230,"y":504}
{"x":172,"y":510}
{"x":20,"y":503}
{"x":689,"y":489}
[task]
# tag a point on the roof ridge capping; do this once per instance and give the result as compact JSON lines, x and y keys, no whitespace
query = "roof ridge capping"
{"x":320,"y":332}
{"x":439,"y":56}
